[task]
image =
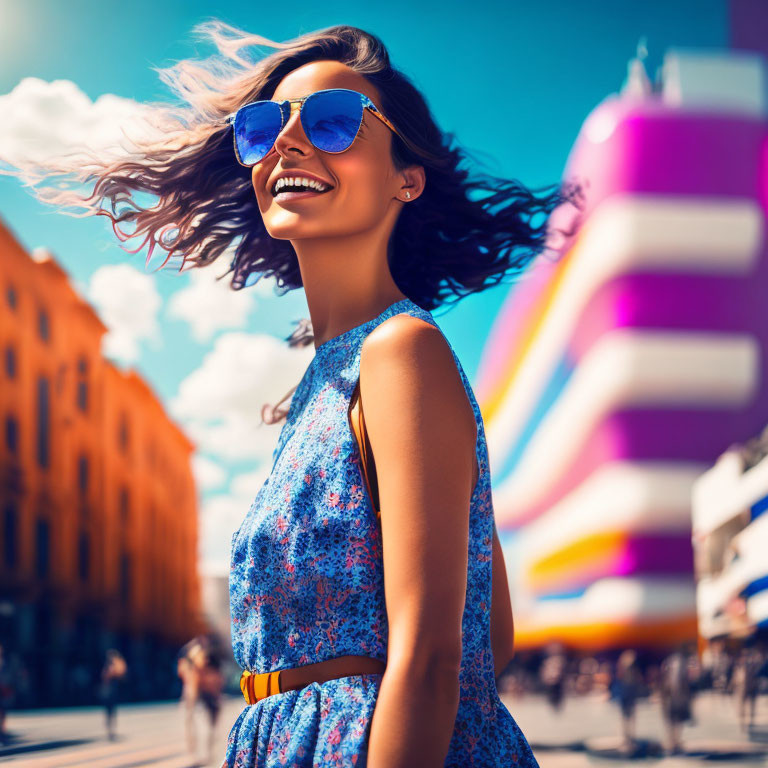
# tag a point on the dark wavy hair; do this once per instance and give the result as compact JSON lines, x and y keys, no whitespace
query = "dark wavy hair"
{"x":463,"y":234}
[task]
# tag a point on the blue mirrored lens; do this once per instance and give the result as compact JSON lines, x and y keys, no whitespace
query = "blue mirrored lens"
{"x":331,"y":119}
{"x":256,"y":128}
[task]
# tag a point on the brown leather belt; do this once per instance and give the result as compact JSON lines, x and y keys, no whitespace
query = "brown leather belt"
{"x":257,"y":686}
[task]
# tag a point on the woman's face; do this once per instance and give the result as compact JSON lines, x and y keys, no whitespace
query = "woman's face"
{"x":363,"y":180}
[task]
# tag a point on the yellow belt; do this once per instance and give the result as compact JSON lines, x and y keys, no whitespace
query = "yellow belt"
{"x":257,"y":686}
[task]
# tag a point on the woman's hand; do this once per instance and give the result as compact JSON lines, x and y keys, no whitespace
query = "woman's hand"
{"x":423,"y":434}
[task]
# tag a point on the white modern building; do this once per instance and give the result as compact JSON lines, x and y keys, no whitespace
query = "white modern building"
{"x":730,"y":540}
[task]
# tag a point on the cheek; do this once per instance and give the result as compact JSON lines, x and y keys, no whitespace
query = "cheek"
{"x":258,"y":179}
{"x":362,"y":180}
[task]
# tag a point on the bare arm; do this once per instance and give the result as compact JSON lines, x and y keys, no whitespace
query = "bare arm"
{"x":502,"y":624}
{"x":422,"y":431}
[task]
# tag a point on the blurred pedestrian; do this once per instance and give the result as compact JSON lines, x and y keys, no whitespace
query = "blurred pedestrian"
{"x":676,"y":694}
{"x":112,"y":674}
{"x":721,"y":664}
{"x":626,"y":689}
{"x":199,"y":667}
{"x":211,"y":681}
{"x":585,"y":677}
{"x":553,"y":675}
{"x":7,"y":692}
{"x":746,"y":679}
{"x":189,"y":673}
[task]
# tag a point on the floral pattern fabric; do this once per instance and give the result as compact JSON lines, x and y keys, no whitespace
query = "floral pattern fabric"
{"x":307,"y":584}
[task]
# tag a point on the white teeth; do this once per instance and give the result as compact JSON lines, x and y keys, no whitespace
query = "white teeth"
{"x":299,"y":180}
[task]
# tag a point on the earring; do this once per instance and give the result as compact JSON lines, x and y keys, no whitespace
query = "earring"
{"x":408,"y":195}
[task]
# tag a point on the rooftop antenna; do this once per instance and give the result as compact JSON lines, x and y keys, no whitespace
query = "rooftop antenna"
{"x":637,"y":85}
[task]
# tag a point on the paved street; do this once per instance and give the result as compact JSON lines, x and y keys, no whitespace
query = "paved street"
{"x":586,"y":733}
{"x":582,"y":734}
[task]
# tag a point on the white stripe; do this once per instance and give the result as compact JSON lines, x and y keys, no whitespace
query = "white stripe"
{"x":627,"y":233}
{"x":618,"y":496}
{"x":638,"y":369}
{"x":617,"y":601}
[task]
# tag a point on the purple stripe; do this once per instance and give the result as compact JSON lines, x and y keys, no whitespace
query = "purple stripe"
{"x":651,"y":555}
{"x":653,"y":435}
{"x":705,"y":303}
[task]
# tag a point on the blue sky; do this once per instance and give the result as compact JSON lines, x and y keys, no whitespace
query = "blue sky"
{"x":513,"y":80}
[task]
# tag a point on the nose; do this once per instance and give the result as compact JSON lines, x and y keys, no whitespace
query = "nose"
{"x":292,"y":136}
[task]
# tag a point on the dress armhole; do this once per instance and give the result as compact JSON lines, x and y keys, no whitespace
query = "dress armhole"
{"x":357,"y":422}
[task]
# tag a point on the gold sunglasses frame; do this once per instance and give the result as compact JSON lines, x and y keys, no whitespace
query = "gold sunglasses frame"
{"x":296,"y":105}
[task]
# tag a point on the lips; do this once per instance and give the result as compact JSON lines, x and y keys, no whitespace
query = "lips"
{"x":284,"y":197}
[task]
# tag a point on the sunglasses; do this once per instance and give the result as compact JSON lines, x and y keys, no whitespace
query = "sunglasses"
{"x":331,"y":120}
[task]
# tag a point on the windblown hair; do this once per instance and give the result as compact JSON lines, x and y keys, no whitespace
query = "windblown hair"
{"x":461,"y":235}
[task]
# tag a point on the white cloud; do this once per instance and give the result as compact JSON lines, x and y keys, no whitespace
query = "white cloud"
{"x":128,"y":303}
{"x":220,"y":517}
{"x":208,"y":474}
{"x":45,"y":120}
{"x":210,"y":305}
{"x":220,"y":403}
{"x":222,"y":514}
{"x":247,"y":484}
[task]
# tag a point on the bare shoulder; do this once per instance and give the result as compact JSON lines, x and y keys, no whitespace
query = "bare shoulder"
{"x":410,"y":385}
{"x":406,"y":338}
{"x":413,"y":352}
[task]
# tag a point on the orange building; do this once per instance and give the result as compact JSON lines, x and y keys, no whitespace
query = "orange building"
{"x":98,"y":505}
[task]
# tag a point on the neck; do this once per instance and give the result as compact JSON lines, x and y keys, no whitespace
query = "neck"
{"x":346,"y":284}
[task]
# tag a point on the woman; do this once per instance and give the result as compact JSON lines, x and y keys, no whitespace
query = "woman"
{"x":112,"y":673}
{"x":189,"y":675}
{"x":7,"y":693}
{"x":198,"y":666}
{"x":627,"y":688}
{"x":380,"y":597}
{"x":676,"y":694}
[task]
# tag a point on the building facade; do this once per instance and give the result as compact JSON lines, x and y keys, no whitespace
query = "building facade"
{"x":98,"y":505}
{"x":730,"y":537}
{"x":619,"y":370}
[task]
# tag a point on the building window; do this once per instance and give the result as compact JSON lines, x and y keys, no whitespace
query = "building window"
{"x":43,"y":422}
{"x":83,"y":560}
{"x":43,"y":325}
{"x":82,"y":384}
{"x":82,"y":473}
{"x":12,"y":434}
{"x":122,"y":435}
{"x":10,"y":536}
{"x":82,"y":396}
{"x":10,"y":362}
{"x":11,"y":297}
{"x":42,"y":548}
{"x":125,"y":579}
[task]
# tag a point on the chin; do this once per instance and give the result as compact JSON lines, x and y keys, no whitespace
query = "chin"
{"x":295,"y":229}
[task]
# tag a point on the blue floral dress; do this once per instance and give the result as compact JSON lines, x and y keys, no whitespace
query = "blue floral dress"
{"x":307,"y":584}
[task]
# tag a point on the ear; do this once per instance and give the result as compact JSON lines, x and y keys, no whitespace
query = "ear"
{"x":414,"y":180}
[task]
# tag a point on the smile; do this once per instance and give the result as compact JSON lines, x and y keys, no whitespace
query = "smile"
{"x":299,"y":184}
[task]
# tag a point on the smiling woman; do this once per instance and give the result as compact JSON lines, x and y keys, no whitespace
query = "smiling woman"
{"x":368,"y":633}
{"x":205,"y":205}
